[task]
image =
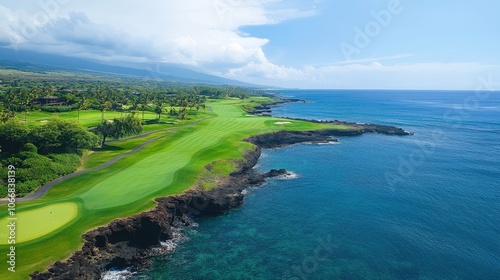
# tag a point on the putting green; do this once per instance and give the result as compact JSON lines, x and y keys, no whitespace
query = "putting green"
{"x":39,"y":222}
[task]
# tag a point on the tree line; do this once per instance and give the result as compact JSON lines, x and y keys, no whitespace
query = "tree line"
{"x":19,"y":96}
{"x":43,"y":153}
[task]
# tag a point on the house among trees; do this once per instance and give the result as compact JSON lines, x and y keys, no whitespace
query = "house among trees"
{"x":64,"y":91}
{"x":49,"y":101}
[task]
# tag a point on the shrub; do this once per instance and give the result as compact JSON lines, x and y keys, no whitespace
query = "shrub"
{"x":35,"y":170}
{"x":119,"y":127}
{"x":13,"y":135}
{"x":28,"y":147}
{"x":63,"y":135}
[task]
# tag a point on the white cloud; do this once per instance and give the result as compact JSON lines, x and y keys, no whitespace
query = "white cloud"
{"x":370,"y":76}
{"x":206,"y":35}
{"x":193,"y":32}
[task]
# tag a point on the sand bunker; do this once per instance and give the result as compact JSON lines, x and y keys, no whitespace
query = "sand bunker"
{"x":282,"y":123}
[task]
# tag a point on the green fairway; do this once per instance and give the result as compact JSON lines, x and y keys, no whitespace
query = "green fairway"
{"x":88,"y":118}
{"x":92,"y":118}
{"x":113,"y":149}
{"x":170,"y":165}
{"x":39,"y":222}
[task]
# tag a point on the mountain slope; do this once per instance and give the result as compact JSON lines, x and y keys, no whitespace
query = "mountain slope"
{"x":160,"y":71}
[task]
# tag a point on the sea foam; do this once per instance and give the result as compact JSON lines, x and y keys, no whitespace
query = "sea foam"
{"x":117,"y":275}
{"x":288,"y":176}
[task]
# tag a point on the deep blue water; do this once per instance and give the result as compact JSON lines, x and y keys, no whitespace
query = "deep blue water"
{"x":372,"y":207}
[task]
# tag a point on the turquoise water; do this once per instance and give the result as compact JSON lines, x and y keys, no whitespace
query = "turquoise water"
{"x":371,"y":207}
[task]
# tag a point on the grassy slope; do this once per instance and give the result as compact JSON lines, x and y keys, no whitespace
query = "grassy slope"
{"x":92,"y":118}
{"x":114,"y":148}
{"x":169,"y":166}
{"x":88,"y":118}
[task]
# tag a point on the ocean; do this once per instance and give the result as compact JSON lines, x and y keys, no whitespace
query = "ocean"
{"x":425,"y":206}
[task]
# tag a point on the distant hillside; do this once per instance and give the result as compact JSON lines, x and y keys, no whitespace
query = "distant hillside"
{"x":23,"y":60}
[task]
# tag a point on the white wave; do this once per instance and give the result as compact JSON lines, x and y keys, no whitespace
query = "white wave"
{"x":194,"y":225}
{"x":117,"y":275}
{"x":178,"y":236}
{"x":329,"y":143}
{"x":250,"y":189}
{"x":169,"y":245}
{"x":288,"y":176}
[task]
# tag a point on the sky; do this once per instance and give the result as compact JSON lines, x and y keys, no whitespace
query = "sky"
{"x":355,"y":44}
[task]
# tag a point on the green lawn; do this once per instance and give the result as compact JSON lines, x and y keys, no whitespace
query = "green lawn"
{"x":91,"y":118}
{"x":168,"y":166}
{"x":116,"y":148}
{"x":41,"y":221}
{"x":88,"y":118}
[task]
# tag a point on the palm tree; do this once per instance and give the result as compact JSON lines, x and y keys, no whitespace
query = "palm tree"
{"x":134,"y":103}
{"x":104,"y":107}
{"x":81,"y":103}
{"x":159,"y":102}
{"x":182,"y":113}
{"x":10,"y":100}
{"x":5,"y":115}
{"x":102,"y":100}
{"x":25,"y":99}
{"x":124,"y":102}
{"x":46,"y":90}
{"x":144,"y":100}
{"x":200,"y":102}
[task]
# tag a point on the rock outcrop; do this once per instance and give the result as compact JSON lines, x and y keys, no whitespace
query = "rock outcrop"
{"x":284,"y":138}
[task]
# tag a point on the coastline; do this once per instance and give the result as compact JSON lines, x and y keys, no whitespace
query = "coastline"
{"x":266,"y":110}
{"x":129,"y":242}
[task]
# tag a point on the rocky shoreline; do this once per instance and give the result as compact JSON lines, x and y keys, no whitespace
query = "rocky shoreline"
{"x":359,"y":128}
{"x":130,"y":242}
{"x":285,"y":138}
{"x":266,"y":109}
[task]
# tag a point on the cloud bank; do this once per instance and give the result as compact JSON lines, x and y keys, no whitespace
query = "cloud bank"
{"x":204,"y":35}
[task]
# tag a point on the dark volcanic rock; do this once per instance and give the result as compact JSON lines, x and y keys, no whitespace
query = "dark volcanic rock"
{"x":276,"y":173}
{"x":284,"y":138}
{"x":383,"y":129}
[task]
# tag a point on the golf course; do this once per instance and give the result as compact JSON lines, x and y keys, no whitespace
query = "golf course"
{"x":50,"y":228}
